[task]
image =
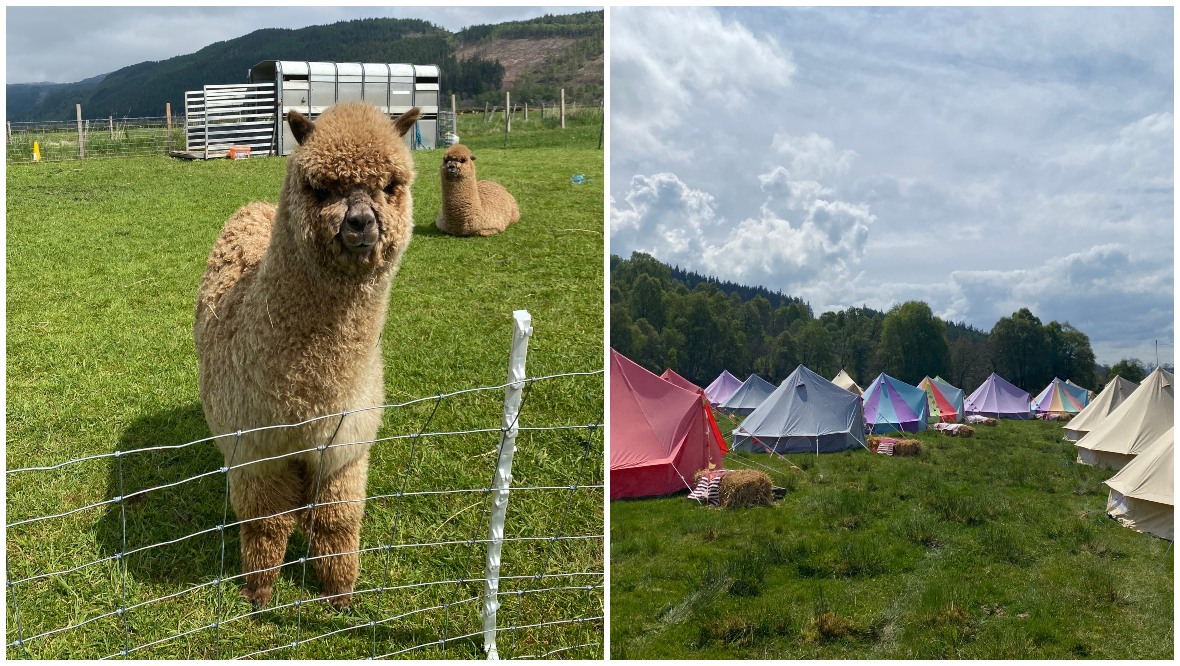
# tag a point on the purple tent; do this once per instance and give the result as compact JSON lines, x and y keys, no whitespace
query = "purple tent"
{"x":893,"y":405}
{"x":722,"y":387}
{"x":997,"y":398}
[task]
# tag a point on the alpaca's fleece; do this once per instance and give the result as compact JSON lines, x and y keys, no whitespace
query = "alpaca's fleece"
{"x":471,"y":207}
{"x":288,"y":320}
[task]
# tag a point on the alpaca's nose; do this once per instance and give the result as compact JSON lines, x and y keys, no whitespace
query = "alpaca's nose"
{"x":360,"y":227}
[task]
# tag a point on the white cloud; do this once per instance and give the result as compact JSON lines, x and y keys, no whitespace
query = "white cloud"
{"x":673,"y":63}
{"x":813,"y":156}
{"x":801,"y":230}
{"x":1118,"y":298}
{"x":1140,"y":156}
{"x":664,"y":217}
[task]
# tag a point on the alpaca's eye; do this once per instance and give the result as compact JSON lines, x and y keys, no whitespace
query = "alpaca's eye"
{"x":473,"y":158}
{"x":389,"y":188}
{"x":320,"y":193}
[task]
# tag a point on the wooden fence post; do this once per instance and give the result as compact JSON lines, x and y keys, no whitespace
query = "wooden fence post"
{"x":168,"y":123}
{"x":563,"y":108}
{"x":486,"y":115}
{"x":602,"y":125}
{"x":507,"y":116}
{"x":526,"y":112}
{"x":81,"y":142}
{"x":453,"y":113}
{"x":111,"y":126}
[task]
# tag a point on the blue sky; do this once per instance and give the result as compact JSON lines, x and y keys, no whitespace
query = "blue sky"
{"x":980,"y":160}
{"x":68,"y":44}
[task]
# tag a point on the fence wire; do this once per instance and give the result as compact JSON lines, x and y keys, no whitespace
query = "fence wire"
{"x":100,"y":138}
{"x":153,"y":569}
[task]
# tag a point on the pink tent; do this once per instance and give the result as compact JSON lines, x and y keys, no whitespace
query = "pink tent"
{"x":660,"y":434}
{"x":671,"y":376}
{"x":998,"y":398}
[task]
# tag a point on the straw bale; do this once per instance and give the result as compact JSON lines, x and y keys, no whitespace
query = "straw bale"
{"x":907,"y":447}
{"x":744,"y":488}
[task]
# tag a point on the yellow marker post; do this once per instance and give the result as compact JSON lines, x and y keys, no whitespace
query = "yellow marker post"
{"x":36,"y":152}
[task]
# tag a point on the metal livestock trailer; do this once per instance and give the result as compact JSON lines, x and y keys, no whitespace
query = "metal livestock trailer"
{"x":312,"y":87}
{"x":252,"y":114}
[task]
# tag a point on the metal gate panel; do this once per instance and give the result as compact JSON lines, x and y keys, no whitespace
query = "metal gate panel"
{"x":221,"y":116}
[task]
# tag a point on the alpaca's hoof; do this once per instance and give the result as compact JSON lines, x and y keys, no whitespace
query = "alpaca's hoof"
{"x":257,"y":598}
{"x":340,"y":602}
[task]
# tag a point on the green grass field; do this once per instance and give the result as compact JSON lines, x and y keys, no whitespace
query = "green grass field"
{"x":995,"y":547}
{"x":103,"y":262}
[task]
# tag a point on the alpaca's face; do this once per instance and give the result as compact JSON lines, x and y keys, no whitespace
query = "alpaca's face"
{"x":348,"y":188}
{"x":458,"y":162}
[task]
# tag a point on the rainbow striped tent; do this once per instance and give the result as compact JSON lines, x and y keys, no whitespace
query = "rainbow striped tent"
{"x":892,"y":405}
{"x":1059,"y":398}
{"x":944,"y":401}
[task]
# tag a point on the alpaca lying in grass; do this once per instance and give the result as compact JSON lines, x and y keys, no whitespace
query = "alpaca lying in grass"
{"x":471,"y":207}
{"x":288,"y":319}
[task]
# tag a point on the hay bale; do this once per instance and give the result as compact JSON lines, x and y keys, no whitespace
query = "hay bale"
{"x":965,"y":431}
{"x":907,"y":447}
{"x":744,"y":488}
{"x":991,"y":422}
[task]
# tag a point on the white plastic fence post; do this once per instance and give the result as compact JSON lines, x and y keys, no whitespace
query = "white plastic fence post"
{"x":521,"y":331}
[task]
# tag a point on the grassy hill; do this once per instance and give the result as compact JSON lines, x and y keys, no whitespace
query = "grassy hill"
{"x":104,"y":258}
{"x":995,"y":547}
{"x":470,"y":72}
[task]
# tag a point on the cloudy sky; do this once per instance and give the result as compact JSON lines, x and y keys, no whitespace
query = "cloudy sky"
{"x":68,"y":44}
{"x":980,"y":160}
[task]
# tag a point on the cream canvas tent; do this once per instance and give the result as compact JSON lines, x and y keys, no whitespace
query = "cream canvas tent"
{"x":1127,"y":431}
{"x":844,"y":381}
{"x":1141,"y":495}
{"x":1117,"y":390}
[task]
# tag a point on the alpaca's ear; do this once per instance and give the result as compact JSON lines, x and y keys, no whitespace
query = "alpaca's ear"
{"x":300,"y":125}
{"x":406,"y":120}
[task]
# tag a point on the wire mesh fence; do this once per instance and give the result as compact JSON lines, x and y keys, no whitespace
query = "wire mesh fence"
{"x":150,"y":566}
{"x":55,"y":141}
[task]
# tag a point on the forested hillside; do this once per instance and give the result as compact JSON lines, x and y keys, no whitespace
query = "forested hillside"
{"x":663,"y":317}
{"x":144,"y":88}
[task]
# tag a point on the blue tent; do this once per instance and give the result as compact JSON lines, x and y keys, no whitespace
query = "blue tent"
{"x":748,"y":396}
{"x":805,"y":413}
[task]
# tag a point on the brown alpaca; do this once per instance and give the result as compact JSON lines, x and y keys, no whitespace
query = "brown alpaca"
{"x":471,"y":207}
{"x":287,"y":325}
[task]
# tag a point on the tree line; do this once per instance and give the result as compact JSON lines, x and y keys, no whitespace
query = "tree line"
{"x":143,"y":89}
{"x":663,"y":317}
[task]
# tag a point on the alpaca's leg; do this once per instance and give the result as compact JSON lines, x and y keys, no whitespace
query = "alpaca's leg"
{"x":256,"y":500}
{"x":337,"y":528}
